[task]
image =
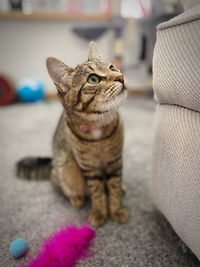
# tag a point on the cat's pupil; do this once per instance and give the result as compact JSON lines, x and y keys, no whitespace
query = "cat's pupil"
{"x":94,"y":79}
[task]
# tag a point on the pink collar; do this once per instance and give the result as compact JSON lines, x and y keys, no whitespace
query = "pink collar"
{"x":87,"y":129}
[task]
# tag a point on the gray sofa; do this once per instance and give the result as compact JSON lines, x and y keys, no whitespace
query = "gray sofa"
{"x":176,"y":157}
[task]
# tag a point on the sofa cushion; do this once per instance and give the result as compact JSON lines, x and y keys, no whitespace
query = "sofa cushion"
{"x":176,"y":61}
{"x":176,"y":171}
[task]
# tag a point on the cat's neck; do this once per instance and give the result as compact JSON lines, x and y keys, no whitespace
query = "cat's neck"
{"x":93,"y":120}
{"x":93,"y":127}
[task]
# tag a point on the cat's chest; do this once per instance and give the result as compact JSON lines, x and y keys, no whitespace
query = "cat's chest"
{"x":99,"y":152}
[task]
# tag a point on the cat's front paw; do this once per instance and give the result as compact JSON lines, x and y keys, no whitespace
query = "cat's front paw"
{"x":96,"y":218}
{"x":121,"y":215}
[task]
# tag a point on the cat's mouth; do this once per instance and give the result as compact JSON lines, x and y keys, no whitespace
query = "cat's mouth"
{"x":122,"y":90}
{"x":113,"y":102}
{"x":117,"y":100}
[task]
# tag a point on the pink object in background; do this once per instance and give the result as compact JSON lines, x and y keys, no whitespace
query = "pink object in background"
{"x":64,"y":248}
{"x":144,"y":10}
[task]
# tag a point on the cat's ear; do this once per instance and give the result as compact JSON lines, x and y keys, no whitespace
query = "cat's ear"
{"x":59,"y":73}
{"x":94,"y":52}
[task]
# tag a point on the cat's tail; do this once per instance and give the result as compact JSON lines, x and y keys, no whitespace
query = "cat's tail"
{"x":34,"y":168}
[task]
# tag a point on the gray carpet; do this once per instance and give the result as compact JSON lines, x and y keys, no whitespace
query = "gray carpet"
{"x":33,"y":210}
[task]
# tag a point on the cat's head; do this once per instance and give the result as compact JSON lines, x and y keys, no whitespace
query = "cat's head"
{"x":94,"y":87}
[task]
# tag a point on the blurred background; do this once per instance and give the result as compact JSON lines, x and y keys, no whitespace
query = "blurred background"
{"x":32,"y":30}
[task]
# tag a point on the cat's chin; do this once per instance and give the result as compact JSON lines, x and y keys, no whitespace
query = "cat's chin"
{"x":106,"y":111}
{"x":117,"y":101}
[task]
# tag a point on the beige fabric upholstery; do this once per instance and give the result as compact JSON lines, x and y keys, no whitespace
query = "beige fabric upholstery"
{"x":176,"y":159}
{"x":176,"y":64}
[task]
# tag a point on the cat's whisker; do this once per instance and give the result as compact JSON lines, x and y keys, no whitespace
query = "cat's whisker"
{"x":113,"y":104}
{"x":112,"y":109}
{"x":117,"y":101}
{"x":102,"y":113}
{"x":110,"y":114}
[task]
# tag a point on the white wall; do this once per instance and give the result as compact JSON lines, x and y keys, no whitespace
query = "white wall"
{"x":25,"y":45}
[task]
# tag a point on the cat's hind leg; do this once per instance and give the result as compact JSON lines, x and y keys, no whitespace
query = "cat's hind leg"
{"x":67,"y":176}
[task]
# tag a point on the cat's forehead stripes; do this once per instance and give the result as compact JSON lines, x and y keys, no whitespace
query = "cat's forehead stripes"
{"x":97,"y":65}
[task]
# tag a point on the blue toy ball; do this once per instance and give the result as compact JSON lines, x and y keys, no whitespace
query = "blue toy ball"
{"x":31,"y":90}
{"x":18,"y":247}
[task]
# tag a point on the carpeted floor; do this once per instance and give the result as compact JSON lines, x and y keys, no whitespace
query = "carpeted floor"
{"x":33,"y":210}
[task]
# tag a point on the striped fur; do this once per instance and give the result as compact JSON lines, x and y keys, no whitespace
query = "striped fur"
{"x":90,"y":162}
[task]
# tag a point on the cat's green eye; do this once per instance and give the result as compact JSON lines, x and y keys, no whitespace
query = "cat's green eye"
{"x":94,"y":79}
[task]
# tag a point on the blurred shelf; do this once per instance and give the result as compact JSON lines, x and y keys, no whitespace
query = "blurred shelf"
{"x":57,"y":16}
{"x":51,"y":96}
{"x":141,"y":90}
{"x":145,"y":91}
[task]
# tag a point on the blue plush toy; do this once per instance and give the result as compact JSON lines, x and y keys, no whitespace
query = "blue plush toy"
{"x":31,"y":90}
{"x":18,"y":247}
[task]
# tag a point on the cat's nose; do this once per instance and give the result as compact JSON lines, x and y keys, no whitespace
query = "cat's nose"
{"x":120,"y":78}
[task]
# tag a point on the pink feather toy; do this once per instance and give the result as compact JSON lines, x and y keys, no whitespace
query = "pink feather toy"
{"x":64,"y":248}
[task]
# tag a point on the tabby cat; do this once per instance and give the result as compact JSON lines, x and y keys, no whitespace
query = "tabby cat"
{"x":87,"y":145}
